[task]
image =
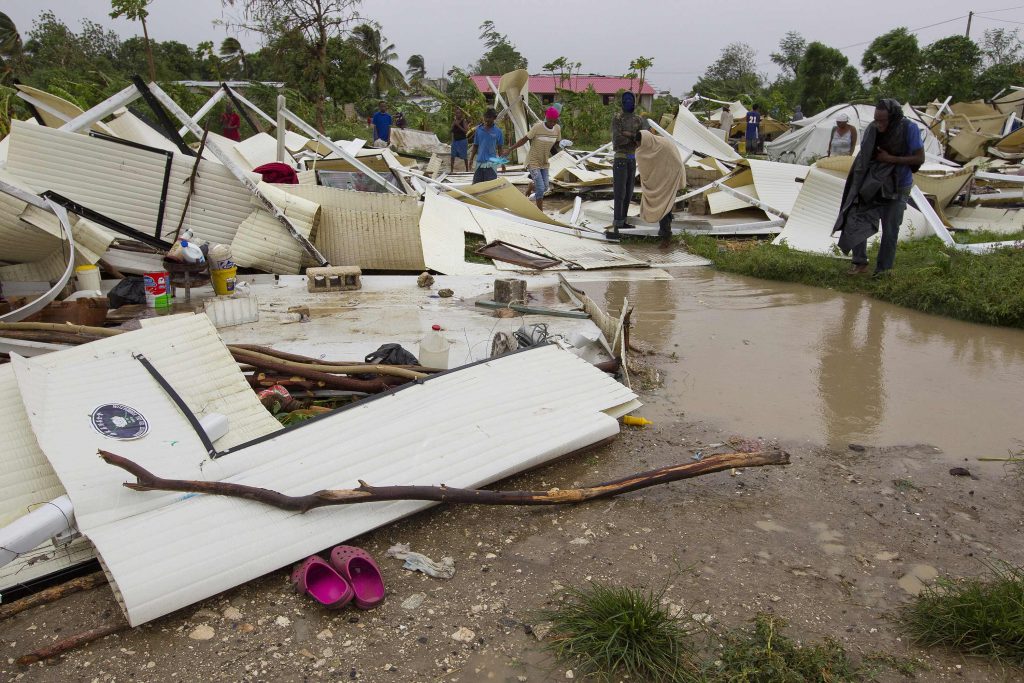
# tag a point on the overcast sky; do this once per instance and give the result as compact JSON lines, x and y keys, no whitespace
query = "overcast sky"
{"x":681,"y":37}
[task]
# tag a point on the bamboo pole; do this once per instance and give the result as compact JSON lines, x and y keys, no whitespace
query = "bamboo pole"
{"x":147,"y":481}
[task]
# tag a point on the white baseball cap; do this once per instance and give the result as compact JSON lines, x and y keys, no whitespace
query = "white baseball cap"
{"x":843,"y":117}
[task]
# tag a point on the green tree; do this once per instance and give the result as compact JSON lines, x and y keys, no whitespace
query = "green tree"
{"x":895,"y":59}
{"x":10,"y":46}
{"x":1000,"y":46}
{"x":950,"y":66}
{"x":825,"y":77}
{"x":416,"y":69}
{"x":233,"y":56}
{"x":998,"y":77}
{"x":135,"y":10}
{"x":734,"y":73}
{"x":791,"y":52}
{"x":501,"y":56}
{"x":640,"y":65}
{"x":315,"y":22}
{"x":378,"y":54}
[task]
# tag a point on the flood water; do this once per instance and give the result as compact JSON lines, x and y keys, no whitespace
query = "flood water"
{"x":786,"y":361}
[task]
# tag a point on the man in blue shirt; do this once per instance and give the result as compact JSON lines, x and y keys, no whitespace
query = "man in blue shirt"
{"x":878,"y":186}
{"x":753,"y":129}
{"x":382,"y":123}
{"x":488,"y":143}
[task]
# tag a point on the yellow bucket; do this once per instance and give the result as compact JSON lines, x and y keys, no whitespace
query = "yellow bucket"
{"x":223,"y":280}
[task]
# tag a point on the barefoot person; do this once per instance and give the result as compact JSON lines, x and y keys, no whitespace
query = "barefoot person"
{"x":878,"y":186}
{"x":543,"y":137}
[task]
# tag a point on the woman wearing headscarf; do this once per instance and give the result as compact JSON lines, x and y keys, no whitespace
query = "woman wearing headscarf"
{"x":661,"y":176}
{"x":878,"y":187}
{"x":543,"y":139}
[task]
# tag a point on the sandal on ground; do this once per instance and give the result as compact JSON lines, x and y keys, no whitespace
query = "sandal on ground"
{"x":356,"y":566}
{"x":318,"y":579}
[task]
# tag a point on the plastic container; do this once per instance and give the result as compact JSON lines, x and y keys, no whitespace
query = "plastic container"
{"x":191,"y":253}
{"x":87,"y":278}
{"x":220,"y":256}
{"x":158,"y":294}
{"x":175,"y":253}
{"x":434,"y":350}
{"x":223,"y":280}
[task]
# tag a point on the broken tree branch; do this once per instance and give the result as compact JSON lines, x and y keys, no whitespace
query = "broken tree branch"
{"x":62,"y":646}
{"x":43,"y":597}
{"x":255,"y":358}
{"x":147,"y":481}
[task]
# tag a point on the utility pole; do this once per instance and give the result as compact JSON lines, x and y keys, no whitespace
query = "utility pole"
{"x":970,"y":15}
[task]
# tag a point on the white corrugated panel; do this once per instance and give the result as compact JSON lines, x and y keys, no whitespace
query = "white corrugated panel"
{"x":263,"y":242}
{"x":128,"y":126}
{"x":124,"y":182}
{"x":163,"y":551}
{"x":444,"y":223}
{"x":372,"y":230}
{"x":21,"y":241}
{"x":692,"y":133}
{"x":721,"y":202}
{"x":260,"y":149}
{"x":776,"y":183}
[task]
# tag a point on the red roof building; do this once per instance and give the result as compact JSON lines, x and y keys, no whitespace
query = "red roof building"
{"x":546,"y":86}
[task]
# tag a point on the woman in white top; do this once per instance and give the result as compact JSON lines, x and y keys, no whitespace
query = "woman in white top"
{"x":843,"y":140}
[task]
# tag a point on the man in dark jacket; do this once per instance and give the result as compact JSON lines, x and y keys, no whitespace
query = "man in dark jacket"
{"x":625,"y":127}
{"x":878,"y":187}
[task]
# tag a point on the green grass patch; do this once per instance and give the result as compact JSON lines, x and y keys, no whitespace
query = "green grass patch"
{"x":927,"y":277}
{"x":981,"y":617}
{"x":474,"y":242}
{"x":608,"y":633}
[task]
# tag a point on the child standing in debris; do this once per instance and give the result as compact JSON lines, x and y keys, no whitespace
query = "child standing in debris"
{"x":382,"y":123}
{"x":230,"y":123}
{"x":753,"y":129}
{"x":625,"y":127}
{"x":543,"y":138}
{"x":488,"y":144}
{"x":460,"y":145}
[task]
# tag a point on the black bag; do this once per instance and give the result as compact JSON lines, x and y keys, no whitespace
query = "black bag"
{"x":130,"y":290}
{"x":391,"y":354}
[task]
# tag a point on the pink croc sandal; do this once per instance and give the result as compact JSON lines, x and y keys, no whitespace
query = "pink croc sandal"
{"x":317,"y":578}
{"x":362,"y":572}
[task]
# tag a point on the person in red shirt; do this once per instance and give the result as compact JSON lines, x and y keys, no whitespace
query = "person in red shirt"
{"x":230,"y":123}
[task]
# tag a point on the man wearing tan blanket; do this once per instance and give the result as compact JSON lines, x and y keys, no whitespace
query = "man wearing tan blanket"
{"x":661,"y":176}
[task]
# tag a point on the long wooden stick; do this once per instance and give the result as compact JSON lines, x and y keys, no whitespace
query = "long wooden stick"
{"x":147,"y":481}
{"x":254,"y":357}
{"x":43,"y":597}
{"x":62,"y":646}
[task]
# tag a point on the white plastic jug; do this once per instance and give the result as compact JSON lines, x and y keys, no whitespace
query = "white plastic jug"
{"x":191,"y":252}
{"x":434,"y":349}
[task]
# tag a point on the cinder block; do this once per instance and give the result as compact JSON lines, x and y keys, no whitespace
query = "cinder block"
{"x":334,"y":279}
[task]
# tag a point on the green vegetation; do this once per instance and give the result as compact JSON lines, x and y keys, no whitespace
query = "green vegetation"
{"x":611,"y":633}
{"x":981,"y":617}
{"x":928,"y":276}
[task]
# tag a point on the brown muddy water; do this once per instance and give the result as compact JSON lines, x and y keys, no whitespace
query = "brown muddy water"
{"x":793,"y":362}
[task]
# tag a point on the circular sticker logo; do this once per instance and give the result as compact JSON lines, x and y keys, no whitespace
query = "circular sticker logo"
{"x":118,"y":421}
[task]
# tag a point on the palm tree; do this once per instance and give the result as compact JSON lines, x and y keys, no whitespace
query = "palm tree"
{"x":10,"y":45}
{"x":640,"y":65}
{"x":232,"y":53}
{"x":378,"y":55}
{"x":135,"y":10}
{"x":417,"y":70}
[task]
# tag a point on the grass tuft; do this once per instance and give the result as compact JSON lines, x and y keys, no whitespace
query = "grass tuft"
{"x":767,"y":656}
{"x":977,"y":616}
{"x":608,"y":632}
{"x":927,"y":277}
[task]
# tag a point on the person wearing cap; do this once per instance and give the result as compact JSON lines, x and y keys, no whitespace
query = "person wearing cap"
{"x":843,"y":139}
{"x":798,"y":114}
{"x":543,"y":139}
{"x":625,"y":128}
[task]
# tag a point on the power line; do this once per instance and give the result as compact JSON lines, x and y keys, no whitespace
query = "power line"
{"x":1006,"y":9}
{"x":1005,"y":21}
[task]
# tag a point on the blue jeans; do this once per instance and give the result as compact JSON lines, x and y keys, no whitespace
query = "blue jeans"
{"x":482,"y":175}
{"x":539,"y":176}
{"x":891,"y":216}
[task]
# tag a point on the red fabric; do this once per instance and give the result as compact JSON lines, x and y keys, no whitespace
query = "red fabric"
{"x":548,"y":85}
{"x":276,"y":172}
{"x":230,"y":123}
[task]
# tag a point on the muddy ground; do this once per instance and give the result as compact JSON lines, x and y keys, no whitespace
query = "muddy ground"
{"x":833,"y":542}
